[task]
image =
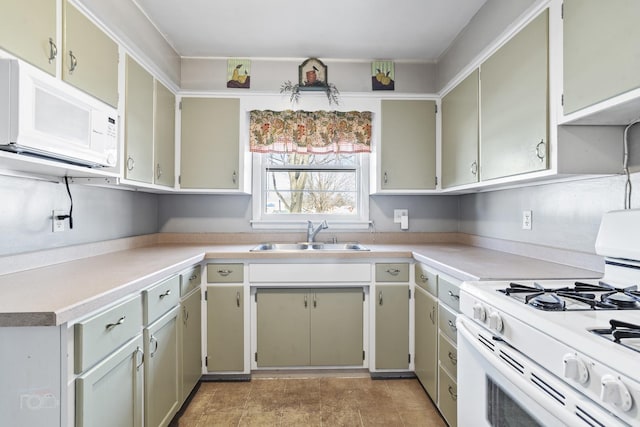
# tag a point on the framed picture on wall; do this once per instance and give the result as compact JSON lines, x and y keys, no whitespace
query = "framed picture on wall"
{"x":239,"y":73}
{"x":312,"y":75}
{"x":382,"y":75}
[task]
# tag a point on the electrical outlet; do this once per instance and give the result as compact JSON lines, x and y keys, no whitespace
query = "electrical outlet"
{"x":399,"y":213}
{"x":58,"y":224}
{"x":526,"y":220}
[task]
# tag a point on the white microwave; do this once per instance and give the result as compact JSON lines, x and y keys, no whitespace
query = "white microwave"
{"x":43,"y":116}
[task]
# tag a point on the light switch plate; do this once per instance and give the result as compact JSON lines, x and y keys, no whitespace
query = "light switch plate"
{"x":526,"y":220}
{"x":398,"y":213}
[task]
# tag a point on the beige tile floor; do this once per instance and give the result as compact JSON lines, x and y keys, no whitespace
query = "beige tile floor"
{"x":324,"y":401}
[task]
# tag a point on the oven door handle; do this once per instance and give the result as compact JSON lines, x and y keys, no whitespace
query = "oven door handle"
{"x":518,"y":380}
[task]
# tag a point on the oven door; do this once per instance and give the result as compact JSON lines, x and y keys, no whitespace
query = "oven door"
{"x":492,"y":390}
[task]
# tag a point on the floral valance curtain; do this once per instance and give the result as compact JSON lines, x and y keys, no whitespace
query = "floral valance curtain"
{"x":313,"y":132}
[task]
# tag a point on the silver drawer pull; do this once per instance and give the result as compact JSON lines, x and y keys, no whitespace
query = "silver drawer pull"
{"x":454,"y":296}
{"x":238,"y":298}
{"x":153,"y":341}
{"x":306,"y":302}
{"x":453,"y":358}
{"x":541,"y":150}
{"x":194,"y":277}
{"x":380,"y":298}
{"x":432,"y":315}
{"x":454,"y":396}
{"x":73,"y":62}
{"x":424,"y":278}
{"x":393,"y":271}
{"x":165,"y":294}
{"x":225,"y":272}
{"x":141,"y":353}
{"x":53,"y":50}
{"x":113,"y":325}
{"x":452,"y":325}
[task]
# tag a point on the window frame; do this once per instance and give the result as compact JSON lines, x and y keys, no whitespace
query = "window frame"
{"x":260,"y":220}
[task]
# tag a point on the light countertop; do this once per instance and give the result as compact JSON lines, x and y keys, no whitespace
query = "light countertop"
{"x":59,"y":293}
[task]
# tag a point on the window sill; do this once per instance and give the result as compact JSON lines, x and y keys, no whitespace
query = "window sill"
{"x":341,"y":225}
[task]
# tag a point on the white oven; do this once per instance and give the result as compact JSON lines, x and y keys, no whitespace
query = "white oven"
{"x":555,"y":352}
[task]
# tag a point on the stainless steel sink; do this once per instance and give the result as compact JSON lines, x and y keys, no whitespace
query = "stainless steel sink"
{"x":309,"y":246}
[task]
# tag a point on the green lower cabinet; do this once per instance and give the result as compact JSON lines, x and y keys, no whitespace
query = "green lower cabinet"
{"x":392,"y":327}
{"x":426,"y":341}
{"x":161,"y":387}
{"x":191,"y":340}
{"x":309,"y":327}
{"x":225,"y":328}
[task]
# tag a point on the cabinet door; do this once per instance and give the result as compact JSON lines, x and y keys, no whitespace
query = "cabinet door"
{"x":191,"y":343}
{"x":283,"y":327}
{"x":514,"y":104}
{"x":110,"y":394}
{"x":138,"y":132}
{"x":426,"y":340}
{"x":28,"y":30}
{"x":460,"y":123}
{"x":336,"y":327}
{"x":164,"y":124}
{"x":601,"y":50}
{"x":90,"y":59}
{"x":209,"y":143}
{"x":225,"y":328}
{"x":161,"y":394}
{"x":408,"y":148}
{"x":392,"y":326}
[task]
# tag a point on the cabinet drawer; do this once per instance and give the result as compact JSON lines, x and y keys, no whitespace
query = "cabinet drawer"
{"x":448,"y":355}
{"x":190,"y":280}
{"x":448,"y":397}
{"x":160,"y":298}
{"x":447,"y":322}
{"x":101,"y":334}
{"x":225,"y":273}
{"x":426,"y":279}
{"x":449,"y":293}
{"x":392,"y":272}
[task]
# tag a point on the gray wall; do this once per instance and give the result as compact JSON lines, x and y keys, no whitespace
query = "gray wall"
{"x":226,"y":213}
{"x":98,"y":214}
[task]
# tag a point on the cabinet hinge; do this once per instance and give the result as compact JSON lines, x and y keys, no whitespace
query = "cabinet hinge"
{"x":363,"y":296}
{"x":436,"y":108}
{"x":409,"y":293}
{"x":363,"y":355}
{"x":562,"y":99}
{"x":206,"y":361}
{"x":436,"y":180}
{"x":409,"y":359}
{"x":562,"y":11}
{"x":206,"y":294}
{"x":256,"y":296}
{"x":256,"y":356}
{"x":180,"y":105}
{"x":179,"y":179}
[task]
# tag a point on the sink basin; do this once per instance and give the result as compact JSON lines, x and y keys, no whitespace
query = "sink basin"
{"x":309,"y":246}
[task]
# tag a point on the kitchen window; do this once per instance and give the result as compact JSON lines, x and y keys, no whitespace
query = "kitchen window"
{"x":290,"y":188}
{"x":310,"y":166}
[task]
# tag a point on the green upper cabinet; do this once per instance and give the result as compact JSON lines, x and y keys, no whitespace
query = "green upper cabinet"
{"x":28,"y":30}
{"x":408,"y":146}
{"x":164,"y":125}
{"x":514,"y":104}
{"x":138,"y":123}
{"x":210,"y":141}
{"x":90,"y":57}
{"x":601,"y":50}
{"x":460,"y":123}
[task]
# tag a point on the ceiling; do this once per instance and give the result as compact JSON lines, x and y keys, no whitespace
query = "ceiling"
{"x":411,"y":30}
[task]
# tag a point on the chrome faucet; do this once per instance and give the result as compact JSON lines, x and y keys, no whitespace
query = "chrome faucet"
{"x":312,"y":232}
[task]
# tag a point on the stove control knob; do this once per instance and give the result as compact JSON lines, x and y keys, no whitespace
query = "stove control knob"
{"x":575,"y":368}
{"x":479,"y":313}
{"x":495,"y":322}
{"x":614,"y":392}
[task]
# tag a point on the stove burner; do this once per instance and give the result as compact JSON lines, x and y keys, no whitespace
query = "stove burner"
{"x":545,"y":301}
{"x":554,"y":299}
{"x":623,"y":298}
{"x":619,"y":331}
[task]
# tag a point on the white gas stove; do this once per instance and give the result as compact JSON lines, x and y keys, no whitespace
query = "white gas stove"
{"x":556,"y":352}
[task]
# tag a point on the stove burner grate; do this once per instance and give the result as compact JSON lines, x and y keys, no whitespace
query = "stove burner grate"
{"x":554,"y":299}
{"x":619,"y":331}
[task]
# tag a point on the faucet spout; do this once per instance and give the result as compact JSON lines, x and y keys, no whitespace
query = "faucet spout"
{"x":312,"y":231}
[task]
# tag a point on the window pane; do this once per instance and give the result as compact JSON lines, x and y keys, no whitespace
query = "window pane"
{"x":311,"y":191}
